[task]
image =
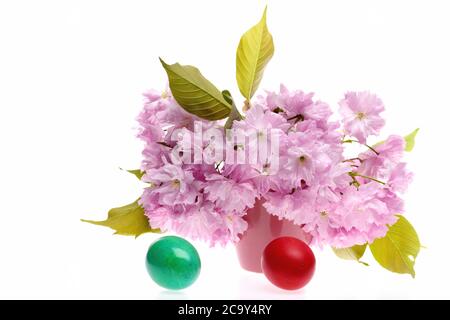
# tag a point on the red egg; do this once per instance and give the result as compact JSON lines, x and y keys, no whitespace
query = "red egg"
{"x":288,"y":263}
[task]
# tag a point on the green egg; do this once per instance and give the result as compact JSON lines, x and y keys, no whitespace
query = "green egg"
{"x":173,"y":263}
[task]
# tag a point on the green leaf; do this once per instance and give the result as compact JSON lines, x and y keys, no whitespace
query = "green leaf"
{"x":195,"y":93}
{"x":128,"y":220}
{"x":353,"y":253}
{"x":253,"y":54}
{"x":410,"y":140}
{"x":227,"y":96}
{"x":137,"y":173}
{"x":398,"y":250}
{"x":234,"y":114}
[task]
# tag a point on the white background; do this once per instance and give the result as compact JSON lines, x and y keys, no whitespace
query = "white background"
{"x":71,"y":78}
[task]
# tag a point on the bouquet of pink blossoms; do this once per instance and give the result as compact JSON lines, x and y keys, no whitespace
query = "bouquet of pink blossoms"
{"x":204,"y":173}
{"x":340,"y":202}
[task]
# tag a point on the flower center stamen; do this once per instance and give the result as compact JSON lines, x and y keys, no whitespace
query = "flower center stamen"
{"x":266,"y":168}
{"x":176,"y":183}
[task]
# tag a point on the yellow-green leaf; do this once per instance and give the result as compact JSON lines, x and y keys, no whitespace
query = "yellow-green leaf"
{"x":410,"y":140}
{"x":398,"y":250}
{"x":352,"y":253}
{"x":228,"y":97}
{"x":195,"y":93}
{"x":128,"y":220}
{"x":137,"y":173}
{"x":234,"y":114}
{"x":253,"y":54}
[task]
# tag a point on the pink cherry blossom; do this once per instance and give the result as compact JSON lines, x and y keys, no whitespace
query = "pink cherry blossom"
{"x":261,"y":119}
{"x":229,"y":195}
{"x":361,"y":114}
{"x":173,"y":184}
{"x":388,"y":155}
{"x":399,"y":178}
{"x":339,"y":201}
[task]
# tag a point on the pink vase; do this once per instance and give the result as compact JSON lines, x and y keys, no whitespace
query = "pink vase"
{"x":263,"y":228}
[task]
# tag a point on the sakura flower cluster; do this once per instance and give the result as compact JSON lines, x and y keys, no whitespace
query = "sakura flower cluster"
{"x":302,"y":175}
